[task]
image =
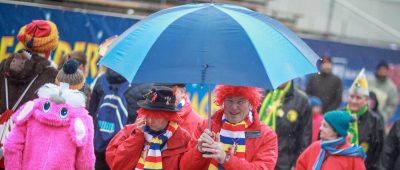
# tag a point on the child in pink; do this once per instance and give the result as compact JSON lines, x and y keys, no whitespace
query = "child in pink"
{"x":53,"y":131}
{"x":317,"y":116}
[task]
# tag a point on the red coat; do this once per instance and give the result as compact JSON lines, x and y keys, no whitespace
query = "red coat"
{"x":191,"y":119}
{"x":335,"y":162}
{"x":124,"y":150}
{"x":261,"y":151}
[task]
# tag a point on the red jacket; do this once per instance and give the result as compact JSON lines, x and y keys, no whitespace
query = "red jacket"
{"x":334,"y":162}
{"x":261,"y":148}
{"x":191,"y":119}
{"x":124,"y":150}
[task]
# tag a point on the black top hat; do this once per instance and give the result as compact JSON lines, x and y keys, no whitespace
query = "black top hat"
{"x":159,"y":98}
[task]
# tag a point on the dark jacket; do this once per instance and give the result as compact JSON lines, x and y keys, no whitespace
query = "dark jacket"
{"x":370,"y":137}
{"x":17,"y":82}
{"x":293,"y":128}
{"x":390,"y":158}
{"x":132,"y":95}
{"x":328,"y":88}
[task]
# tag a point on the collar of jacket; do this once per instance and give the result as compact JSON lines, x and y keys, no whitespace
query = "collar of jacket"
{"x":217,"y":121}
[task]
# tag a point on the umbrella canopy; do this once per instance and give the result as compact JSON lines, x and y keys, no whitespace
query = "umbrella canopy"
{"x":212,"y":44}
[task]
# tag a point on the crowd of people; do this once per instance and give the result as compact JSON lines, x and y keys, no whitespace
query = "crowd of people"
{"x":52,"y":119}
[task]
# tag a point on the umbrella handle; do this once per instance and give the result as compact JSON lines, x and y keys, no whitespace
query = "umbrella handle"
{"x":209,"y":107}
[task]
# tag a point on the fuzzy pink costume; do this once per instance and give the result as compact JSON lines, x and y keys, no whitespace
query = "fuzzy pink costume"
{"x":51,"y":135}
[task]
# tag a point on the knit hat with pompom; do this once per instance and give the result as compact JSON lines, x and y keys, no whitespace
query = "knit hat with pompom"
{"x":71,"y":75}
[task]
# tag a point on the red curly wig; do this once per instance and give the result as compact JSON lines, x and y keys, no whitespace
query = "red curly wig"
{"x":171,"y":116}
{"x":252,"y":94}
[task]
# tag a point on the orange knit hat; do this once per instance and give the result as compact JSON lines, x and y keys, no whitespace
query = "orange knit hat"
{"x":39,"y":36}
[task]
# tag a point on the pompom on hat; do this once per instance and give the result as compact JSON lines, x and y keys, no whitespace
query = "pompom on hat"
{"x":71,"y":75}
{"x":39,"y":36}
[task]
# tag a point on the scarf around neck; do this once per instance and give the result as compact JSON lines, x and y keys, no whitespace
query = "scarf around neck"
{"x":233,"y":135}
{"x":354,"y":125}
{"x":329,"y":146}
{"x":152,"y":158}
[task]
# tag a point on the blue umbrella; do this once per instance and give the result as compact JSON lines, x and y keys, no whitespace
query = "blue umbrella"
{"x":211,"y":44}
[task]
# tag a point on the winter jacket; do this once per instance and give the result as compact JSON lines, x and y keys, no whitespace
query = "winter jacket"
{"x":390,"y":158}
{"x":308,"y":158}
{"x":370,"y":137}
{"x":294,"y":128}
{"x":132,"y":95}
{"x":261,"y":148}
{"x":17,"y":83}
{"x":191,"y":119}
{"x":328,"y":88}
{"x":124,"y":150}
{"x":386,"y":91}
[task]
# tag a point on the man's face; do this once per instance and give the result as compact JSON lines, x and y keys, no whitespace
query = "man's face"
{"x":357,"y":101}
{"x":382,"y":73}
{"x":326,"y":67}
{"x":236,"y":108}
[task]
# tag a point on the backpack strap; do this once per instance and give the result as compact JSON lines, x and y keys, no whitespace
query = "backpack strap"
{"x":22,"y":95}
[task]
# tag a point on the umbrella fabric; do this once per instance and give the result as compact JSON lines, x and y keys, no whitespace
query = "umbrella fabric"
{"x":212,"y":44}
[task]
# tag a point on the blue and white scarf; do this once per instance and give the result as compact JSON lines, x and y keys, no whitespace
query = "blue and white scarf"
{"x":354,"y":150}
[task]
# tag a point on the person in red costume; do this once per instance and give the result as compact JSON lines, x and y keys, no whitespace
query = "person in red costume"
{"x":237,"y":138}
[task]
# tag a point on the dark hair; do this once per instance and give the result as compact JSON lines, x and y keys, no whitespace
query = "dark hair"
{"x":77,"y":55}
{"x":382,"y":63}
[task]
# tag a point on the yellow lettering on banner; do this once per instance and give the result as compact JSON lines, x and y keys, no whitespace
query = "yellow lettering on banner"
{"x":18,"y":47}
{"x":62,"y":48}
{"x":80,"y":46}
{"x":6,"y":41}
{"x":92,"y":52}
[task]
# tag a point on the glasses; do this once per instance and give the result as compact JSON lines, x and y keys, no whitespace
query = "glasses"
{"x":230,"y":102}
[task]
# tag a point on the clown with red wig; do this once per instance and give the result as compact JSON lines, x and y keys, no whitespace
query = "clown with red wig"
{"x":155,"y":141}
{"x":237,"y":139}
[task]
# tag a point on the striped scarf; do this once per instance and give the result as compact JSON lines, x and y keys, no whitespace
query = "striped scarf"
{"x":272,"y":104}
{"x":329,"y":146}
{"x":153,"y":159}
{"x":233,"y":135}
{"x":354,"y":125}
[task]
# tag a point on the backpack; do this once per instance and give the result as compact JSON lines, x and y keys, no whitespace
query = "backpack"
{"x":112,"y":113}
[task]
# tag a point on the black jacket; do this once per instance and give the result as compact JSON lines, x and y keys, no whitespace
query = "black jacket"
{"x":293,"y":135}
{"x":132,"y":95}
{"x":390,"y":158}
{"x":370,"y":137}
{"x":328,"y":88}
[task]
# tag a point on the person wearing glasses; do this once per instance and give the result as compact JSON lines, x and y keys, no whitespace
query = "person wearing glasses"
{"x":237,"y":139}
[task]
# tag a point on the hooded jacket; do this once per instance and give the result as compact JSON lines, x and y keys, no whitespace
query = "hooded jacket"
{"x":190,"y":119}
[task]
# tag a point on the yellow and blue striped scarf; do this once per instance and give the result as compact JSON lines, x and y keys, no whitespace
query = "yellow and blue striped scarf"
{"x":153,"y":159}
{"x":233,"y":135}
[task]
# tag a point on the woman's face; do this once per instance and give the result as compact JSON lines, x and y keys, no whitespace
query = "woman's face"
{"x":156,"y":124}
{"x":236,"y":108}
{"x":327,"y":132}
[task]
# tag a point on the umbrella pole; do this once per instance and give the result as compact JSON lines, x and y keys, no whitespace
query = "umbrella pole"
{"x":209,"y":107}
